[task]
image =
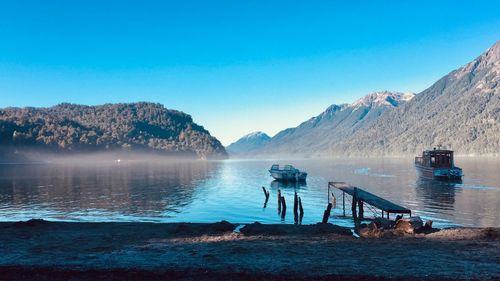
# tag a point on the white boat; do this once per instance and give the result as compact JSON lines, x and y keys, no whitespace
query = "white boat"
{"x":288,"y":173}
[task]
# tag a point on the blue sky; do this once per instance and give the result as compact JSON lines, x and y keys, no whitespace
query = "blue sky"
{"x":235,"y":66}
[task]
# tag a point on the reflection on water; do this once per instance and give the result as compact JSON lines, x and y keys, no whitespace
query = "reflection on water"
{"x":97,"y":192}
{"x":294,"y":185}
{"x":436,"y":194}
{"x":206,"y":191}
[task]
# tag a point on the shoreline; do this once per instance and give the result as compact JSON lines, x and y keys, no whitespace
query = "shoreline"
{"x":43,"y":250}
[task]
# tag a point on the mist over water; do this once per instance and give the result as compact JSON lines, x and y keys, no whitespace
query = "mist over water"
{"x":208,"y":191}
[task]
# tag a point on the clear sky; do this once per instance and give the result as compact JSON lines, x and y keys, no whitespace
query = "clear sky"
{"x":235,"y":66}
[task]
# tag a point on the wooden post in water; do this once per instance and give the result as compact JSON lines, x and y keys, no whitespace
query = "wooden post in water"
{"x":266,"y":193}
{"x":326,"y":214}
{"x":295,"y":208}
{"x":301,"y":211}
{"x":283,"y":208}
{"x":279,"y":201}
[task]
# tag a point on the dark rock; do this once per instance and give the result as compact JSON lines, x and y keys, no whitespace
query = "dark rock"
{"x":492,"y":233}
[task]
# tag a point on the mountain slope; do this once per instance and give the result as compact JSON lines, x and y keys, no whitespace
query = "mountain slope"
{"x":110,"y":127}
{"x":461,"y":111}
{"x":337,"y":122}
{"x":248,"y":143}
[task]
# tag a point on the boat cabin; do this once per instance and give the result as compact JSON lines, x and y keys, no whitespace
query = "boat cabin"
{"x":437,"y":158}
{"x":285,"y":167}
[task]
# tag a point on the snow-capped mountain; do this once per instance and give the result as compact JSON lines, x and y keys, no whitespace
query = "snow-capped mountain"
{"x":460,"y":111}
{"x":385,"y":98}
{"x":337,"y":122}
{"x":248,"y":143}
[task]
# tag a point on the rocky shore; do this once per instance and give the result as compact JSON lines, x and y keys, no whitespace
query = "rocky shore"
{"x":41,"y":250}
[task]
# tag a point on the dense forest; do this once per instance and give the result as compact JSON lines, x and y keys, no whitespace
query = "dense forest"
{"x":71,"y":128}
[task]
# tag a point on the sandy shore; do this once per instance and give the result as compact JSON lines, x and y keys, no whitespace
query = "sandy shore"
{"x":39,"y":250}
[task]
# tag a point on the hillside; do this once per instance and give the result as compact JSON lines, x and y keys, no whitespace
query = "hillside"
{"x":461,"y":111}
{"x":314,"y":136}
{"x":134,"y":127}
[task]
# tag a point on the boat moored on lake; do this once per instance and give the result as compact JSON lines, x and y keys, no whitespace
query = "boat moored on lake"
{"x":288,"y":173}
{"x":438,"y":164}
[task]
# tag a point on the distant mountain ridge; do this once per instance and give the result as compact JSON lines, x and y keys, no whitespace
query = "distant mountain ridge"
{"x":138,"y":127}
{"x":336,"y":122}
{"x":248,"y":143}
{"x":460,"y":111}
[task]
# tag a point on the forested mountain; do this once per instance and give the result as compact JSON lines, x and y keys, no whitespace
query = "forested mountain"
{"x":138,"y":127}
{"x":314,"y":136}
{"x":461,"y":111}
{"x":248,"y":143}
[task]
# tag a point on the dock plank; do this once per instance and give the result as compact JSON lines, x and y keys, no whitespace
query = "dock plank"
{"x":370,"y":198}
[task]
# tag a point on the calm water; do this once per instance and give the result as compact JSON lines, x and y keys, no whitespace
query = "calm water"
{"x":204,"y":191}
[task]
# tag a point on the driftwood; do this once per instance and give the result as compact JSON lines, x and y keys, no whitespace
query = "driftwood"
{"x":410,"y":225}
{"x":428,"y":224}
{"x":327,"y":212}
{"x":266,"y":193}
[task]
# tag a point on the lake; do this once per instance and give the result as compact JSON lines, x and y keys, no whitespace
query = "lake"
{"x":208,"y":191}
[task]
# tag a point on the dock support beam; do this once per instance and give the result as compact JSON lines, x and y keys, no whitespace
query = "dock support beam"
{"x":354,"y":201}
{"x":343,"y":202}
{"x":361,"y":211}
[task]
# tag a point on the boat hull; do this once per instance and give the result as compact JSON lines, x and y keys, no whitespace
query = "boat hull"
{"x":288,"y":176}
{"x":453,"y":173}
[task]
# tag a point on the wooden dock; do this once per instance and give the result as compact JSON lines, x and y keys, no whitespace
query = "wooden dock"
{"x":361,"y":196}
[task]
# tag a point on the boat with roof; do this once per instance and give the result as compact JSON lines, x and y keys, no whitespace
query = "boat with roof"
{"x":287,"y":173}
{"x":438,"y":164}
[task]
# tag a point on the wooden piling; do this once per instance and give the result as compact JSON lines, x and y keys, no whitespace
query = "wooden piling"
{"x":283,"y":207}
{"x":343,"y":202}
{"x":295,"y":208}
{"x":326,"y":214}
{"x":279,"y":201}
{"x":266,"y":193}
{"x":301,"y":211}
{"x":354,"y":201}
